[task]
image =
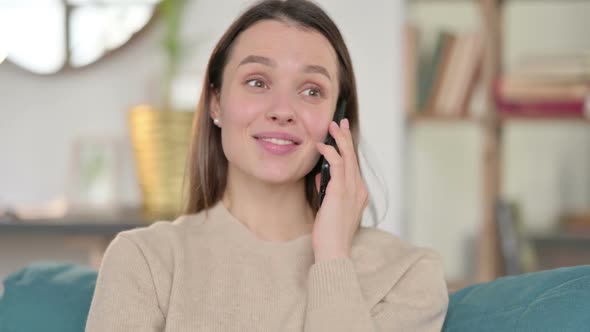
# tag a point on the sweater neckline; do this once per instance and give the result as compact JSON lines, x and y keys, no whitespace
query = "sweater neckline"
{"x":221,"y":212}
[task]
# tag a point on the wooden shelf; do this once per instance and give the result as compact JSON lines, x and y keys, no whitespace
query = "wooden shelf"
{"x":560,"y":249}
{"x":501,"y":1}
{"x":105,"y":229}
{"x":93,"y":225}
{"x":431,"y":118}
{"x":576,"y":119}
{"x":418,"y":117}
{"x":490,"y":122}
{"x":91,"y":234}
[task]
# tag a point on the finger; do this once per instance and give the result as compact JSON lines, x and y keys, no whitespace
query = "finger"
{"x":343,"y":138}
{"x":341,"y":141}
{"x":362,"y":188}
{"x":344,"y":124}
{"x":334,"y":159}
{"x":354,"y":162}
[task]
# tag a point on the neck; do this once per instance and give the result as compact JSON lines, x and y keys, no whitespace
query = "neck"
{"x":273,"y":212}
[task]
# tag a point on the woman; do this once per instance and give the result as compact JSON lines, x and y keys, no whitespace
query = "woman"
{"x":253,"y":251}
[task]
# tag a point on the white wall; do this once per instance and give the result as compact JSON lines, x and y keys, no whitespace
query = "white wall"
{"x":41,"y":116}
{"x":545,"y":165}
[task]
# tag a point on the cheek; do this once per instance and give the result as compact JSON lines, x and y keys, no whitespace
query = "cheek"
{"x":319,"y":133}
{"x":239,"y":113}
{"x":317,"y":127}
{"x":235,"y":121}
{"x":240,"y":106}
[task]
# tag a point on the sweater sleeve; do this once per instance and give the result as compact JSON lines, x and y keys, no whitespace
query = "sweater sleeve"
{"x":125,"y":295}
{"x":417,"y":301}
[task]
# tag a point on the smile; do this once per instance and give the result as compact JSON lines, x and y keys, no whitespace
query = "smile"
{"x":276,"y":146}
{"x":277,"y":141}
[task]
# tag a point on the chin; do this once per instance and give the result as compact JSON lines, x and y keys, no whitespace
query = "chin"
{"x":276,"y":178}
{"x":275,"y":175}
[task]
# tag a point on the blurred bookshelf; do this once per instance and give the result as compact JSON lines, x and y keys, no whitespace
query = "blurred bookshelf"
{"x":98,"y":223}
{"x":464,"y":66}
{"x":416,"y":118}
{"x":88,"y":232}
{"x":68,"y":227}
{"x":566,"y":119}
{"x":561,"y":249}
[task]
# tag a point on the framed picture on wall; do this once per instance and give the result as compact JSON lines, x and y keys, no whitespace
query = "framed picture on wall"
{"x":95,"y":171}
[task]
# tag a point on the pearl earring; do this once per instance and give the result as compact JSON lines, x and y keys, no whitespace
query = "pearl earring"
{"x":216,"y":121}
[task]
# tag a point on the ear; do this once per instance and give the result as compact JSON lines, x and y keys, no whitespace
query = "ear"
{"x":214,"y":105}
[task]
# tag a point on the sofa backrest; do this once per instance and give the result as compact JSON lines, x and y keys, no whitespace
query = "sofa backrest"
{"x":552,"y":300}
{"x":47,"y":296}
{"x":52,"y":296}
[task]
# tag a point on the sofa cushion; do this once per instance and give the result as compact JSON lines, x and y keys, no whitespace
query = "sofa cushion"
{"x":47,"y":296}
{"x":553,"y":300}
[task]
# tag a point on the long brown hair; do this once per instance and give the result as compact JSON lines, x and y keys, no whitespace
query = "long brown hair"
{"x":207,"y":164}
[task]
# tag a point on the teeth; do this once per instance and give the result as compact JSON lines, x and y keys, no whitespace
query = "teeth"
{"x":277,"y":141}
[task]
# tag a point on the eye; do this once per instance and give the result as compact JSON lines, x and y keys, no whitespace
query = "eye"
{"x":314,"y":92}
{"x":256,"y":83}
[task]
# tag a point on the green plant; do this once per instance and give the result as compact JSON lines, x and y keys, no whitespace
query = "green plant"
{"x":172,"y":11}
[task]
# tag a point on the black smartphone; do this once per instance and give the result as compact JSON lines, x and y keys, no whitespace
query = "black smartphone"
{"x":325,"y":166}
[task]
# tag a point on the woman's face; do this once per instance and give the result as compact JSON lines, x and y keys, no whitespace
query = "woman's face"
{"x":279,"y":93}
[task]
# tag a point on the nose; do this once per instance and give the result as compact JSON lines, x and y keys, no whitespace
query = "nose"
{"x":281,"y":116}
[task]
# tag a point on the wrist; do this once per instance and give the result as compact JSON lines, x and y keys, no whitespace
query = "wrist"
{"x":325,"y":256}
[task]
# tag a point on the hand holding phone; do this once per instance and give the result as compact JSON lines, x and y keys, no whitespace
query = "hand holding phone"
{"x":325,"y":166}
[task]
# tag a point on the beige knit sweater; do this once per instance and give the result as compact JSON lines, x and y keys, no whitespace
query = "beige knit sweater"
{"x":210,"y":273}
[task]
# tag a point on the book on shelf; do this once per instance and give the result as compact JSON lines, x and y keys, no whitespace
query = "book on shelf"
{"x":555,"y":67}
{"x":410,"y":62}
{"x":576,"y":222}
{"x":447,"y":79}
{"x":464,"y":70}
{"x":554,"y":93}
{"x":517,"y":252}
{"x":439,"y":69}
{"x":509,"y":237}
{"x":531,"y":90}
{"x":427,"y":70}
{"x":571,"y":108}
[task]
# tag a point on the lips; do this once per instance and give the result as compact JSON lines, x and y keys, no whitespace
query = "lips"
{"x":278,"y":143}
{"x":279,"y":135}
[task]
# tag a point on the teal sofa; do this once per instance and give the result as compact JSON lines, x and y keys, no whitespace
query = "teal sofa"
{"x":50,"y":296}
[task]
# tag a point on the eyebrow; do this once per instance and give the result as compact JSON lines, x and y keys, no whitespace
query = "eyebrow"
{"x":313,"y":69}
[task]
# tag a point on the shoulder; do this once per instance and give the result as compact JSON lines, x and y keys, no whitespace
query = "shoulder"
{"x":404,"y":284}
{"x":164,"y":231}
{"x":378,"y":245}
{"x":385,"y":259}
{"x":161,"y":241}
